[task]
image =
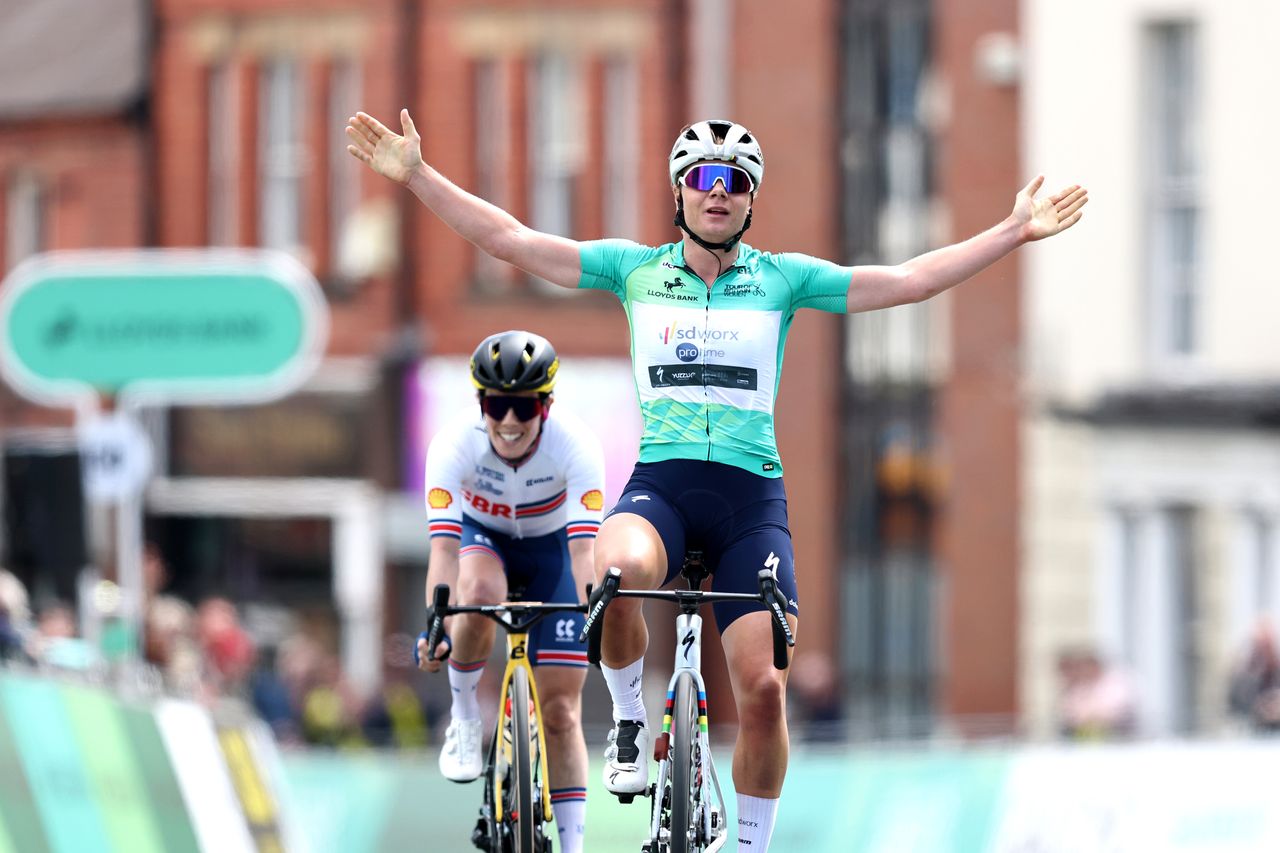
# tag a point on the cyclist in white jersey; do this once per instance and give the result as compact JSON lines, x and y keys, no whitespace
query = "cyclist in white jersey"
{"x":709,"y":317}
{"x":514,"y":499}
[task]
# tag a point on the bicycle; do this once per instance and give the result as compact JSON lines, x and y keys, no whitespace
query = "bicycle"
{"x":685,"y":818}
{"x":517,"y":797}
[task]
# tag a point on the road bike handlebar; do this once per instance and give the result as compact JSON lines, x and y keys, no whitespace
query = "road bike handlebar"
{"x":689,"y":601}
{"x":514,"y":616}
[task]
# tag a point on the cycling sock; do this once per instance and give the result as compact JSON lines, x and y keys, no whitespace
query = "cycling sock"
{"x":755,"y":823}
{"x":570,"y":808}
{"x":625,"y":686}
{"x":464,"y":678}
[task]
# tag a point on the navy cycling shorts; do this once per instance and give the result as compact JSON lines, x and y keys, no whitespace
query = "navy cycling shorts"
{"x":537,"y":569}
{"x":736,"y":518}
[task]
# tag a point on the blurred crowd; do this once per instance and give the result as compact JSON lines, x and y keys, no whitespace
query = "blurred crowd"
{"x":295,"y":682}
{"x":204,"y":651}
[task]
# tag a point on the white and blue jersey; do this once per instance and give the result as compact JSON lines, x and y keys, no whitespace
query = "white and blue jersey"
{"x":523,"y":517}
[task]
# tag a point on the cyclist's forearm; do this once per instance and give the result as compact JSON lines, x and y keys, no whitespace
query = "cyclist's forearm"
{"x":582,"y":559}
{"x":941,"y":269}
{"x":486,"y":225}
{"x":443,"y":568}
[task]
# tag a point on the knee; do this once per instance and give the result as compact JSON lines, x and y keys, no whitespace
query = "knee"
{"x":480,"y":589}
{"x":559,"y":715}
{"x":762,"y":701}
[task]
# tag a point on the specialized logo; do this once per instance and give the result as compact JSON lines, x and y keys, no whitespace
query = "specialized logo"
{"x":772,"y":563}
{"x":564,"y":631}
{"x":439,"y":499}
{"x":717,"y":375}
{"x":687,"y":643}
{"x":686,"y":351}
{"x":593,"y":500}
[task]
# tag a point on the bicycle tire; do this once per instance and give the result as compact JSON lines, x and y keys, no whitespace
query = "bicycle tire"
{"x":684,"y":760}
{"x":525,"y":818}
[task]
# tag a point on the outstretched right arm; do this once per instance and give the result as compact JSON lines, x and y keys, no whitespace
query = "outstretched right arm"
{"x":496,"y":232}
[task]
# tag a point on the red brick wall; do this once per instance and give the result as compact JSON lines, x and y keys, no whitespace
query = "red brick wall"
{"x":979,"y":172}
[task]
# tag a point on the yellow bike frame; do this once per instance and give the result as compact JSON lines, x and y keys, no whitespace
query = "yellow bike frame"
{"x":517,"y":658}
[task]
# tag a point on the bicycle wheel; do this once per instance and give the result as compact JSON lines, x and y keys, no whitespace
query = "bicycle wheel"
{"x":686,"y":767}
{"x":521,"y":813}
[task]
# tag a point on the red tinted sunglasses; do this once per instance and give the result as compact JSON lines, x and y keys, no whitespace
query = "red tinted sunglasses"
{"x":704,"y":176}
{"x":526,"y":408}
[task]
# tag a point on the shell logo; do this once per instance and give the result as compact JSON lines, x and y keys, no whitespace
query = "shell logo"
{"x":439,"y":499}
{"x":593,"y":500}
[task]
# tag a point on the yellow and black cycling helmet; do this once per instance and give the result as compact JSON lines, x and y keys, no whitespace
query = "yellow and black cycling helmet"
{"x":515,"y":361}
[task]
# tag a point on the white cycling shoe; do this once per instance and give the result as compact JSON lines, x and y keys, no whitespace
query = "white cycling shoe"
{"x":460,"y":758}
{"x":626,"y":758}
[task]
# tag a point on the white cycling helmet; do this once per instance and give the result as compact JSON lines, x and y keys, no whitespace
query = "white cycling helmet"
{"x":716,"y":139}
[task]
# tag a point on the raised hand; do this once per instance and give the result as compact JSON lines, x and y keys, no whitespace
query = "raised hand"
{"x":1044,"y":217}
{"x":382,"y":149}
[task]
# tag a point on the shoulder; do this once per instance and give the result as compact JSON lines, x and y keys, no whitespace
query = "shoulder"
{"x":460,"y":433}
{"x":566,"y":431}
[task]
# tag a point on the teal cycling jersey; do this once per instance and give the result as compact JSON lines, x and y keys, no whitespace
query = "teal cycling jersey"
{"x":707,"y":360}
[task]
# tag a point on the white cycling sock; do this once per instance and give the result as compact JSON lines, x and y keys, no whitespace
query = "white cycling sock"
{"x":463,"y":680}
{"x":625,"y":686}
{"x":755,"y":823}
{"x":570,"y":808}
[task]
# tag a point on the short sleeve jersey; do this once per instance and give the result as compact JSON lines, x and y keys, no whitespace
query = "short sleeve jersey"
{"x":561,"y":486}
{"x":707,"y":361}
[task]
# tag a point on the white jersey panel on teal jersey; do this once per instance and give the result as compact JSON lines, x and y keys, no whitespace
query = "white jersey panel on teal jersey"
{"x":707,"y":361}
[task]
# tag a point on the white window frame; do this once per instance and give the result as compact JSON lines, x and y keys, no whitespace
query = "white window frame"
{"x":1173,"y":166}
{"x":493,"y":157}
{"x":224,"y":155}
{"x":26,"y":212}
{"x":282,"y":162}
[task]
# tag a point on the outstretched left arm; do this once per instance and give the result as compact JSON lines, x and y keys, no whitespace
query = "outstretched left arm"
{"x":925,"y":276}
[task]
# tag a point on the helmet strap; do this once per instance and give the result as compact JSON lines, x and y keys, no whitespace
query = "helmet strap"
{"x":683,"y":225}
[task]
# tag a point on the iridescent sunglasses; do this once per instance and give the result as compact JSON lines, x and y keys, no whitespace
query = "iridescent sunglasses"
{"x":704,"y":176}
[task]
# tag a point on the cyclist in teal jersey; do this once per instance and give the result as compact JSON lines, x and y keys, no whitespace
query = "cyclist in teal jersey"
{"x":709,"y":317}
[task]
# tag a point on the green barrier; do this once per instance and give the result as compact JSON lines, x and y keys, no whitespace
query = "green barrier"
{"x":163,"y":792}
{"x":112,"y":769}
{"x":19,"y":823}
{"x":53,"y":765}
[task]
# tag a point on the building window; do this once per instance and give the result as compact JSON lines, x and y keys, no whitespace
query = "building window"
{"x":887,"y":162}
{"x":493,"y":158}
{"x":282,"y":157}
{"x":1149,"y":602}
{"x":1173,"y":164}
{"x":26,"y":206}
{"x":621,"y":133}
{"x":556,"y":151}
{"x":345,"y":90}
{"x":224,"y":135}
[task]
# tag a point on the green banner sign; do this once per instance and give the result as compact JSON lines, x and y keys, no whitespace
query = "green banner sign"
{"x":184,"y":324}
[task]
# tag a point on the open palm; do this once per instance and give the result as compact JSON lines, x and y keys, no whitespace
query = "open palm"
{"x":1044,"y":217}
{"x":382,"y":149}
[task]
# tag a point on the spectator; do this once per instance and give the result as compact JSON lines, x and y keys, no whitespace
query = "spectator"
{"x":816,"y":696}
{"x":1096,"y":701}
{"x":15,"y":616}
{"x":170,"y":644}
{"x":1255,"y":682}
{"x":227,"y":648}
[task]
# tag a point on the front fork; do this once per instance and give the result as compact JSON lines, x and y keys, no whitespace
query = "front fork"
{"x":688,"y":659}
